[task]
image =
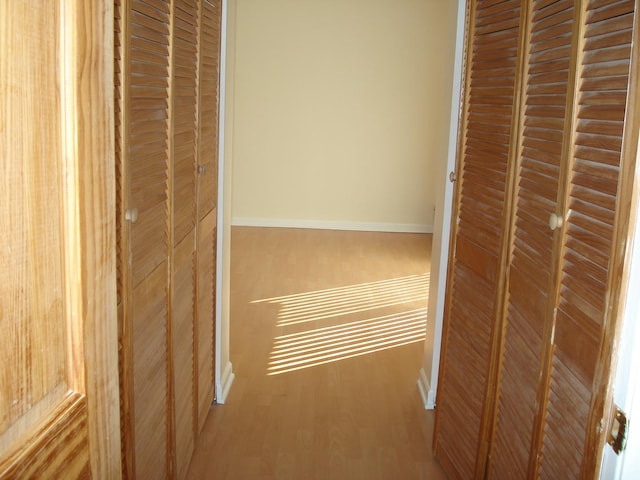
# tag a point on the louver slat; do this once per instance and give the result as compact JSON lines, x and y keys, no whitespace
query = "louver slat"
{"x":531,"y":263}
{"x":480,"y":207}
{"x":593,"y":185}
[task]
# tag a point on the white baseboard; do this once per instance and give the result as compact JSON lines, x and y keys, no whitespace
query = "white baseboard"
{"x":428,"y":395}
{"x":331,"y":225}
{"x":224,"y":386}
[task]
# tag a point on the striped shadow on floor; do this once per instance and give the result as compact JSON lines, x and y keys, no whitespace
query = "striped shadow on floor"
{"x":335,"y":324}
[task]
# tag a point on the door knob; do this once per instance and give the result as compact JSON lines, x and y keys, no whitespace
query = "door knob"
{"x":555,"y":221}
{"x":131,"y":215}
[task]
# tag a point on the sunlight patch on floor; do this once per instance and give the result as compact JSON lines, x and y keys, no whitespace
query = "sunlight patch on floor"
{"x":319,"y":344}
{"x":335,"y":302}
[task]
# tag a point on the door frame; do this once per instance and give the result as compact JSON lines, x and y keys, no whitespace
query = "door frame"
{"x":223,"y":375}
{"x":428,"y":381}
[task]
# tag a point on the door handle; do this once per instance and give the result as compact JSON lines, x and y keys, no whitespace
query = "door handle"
{"x":555,"y":221}
{"x":131,"y":215}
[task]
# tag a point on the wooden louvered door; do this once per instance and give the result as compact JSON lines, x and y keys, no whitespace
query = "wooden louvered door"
{"x":474,"y":297}
{"x":555,"y":364}
{"x":554,"y":336}
{"x":166,"y":132}
{"x":593,"y":243}
{"x":183,"y":220}
{"x":207,"y":200}
{"x":544,"y":127}
{"x":144,"y":170}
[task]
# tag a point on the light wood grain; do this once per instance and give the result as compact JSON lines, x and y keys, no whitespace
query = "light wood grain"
{"x":59,"y":347}
{"x":33,"y":296}
{"x":94,"y":147}
{"x":359,"y":417}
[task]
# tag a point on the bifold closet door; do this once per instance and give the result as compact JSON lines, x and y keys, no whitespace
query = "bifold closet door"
{"x":554,"y":335}
{"x":555,"y":365}
{"x":144,"y":72}
{"x":194,"y":144}
{"x":207,"y":200}
{"x":473,"y":294}
{"x":167,"y":80}
{"x":546,"y":123}
{"x":580,"y":360}
{"x":184,"y":115}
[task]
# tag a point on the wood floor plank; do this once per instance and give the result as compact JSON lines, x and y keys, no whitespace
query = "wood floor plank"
{"x":327,"y":332}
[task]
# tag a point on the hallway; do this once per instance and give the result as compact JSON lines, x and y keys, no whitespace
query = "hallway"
{"x":327,"y":332}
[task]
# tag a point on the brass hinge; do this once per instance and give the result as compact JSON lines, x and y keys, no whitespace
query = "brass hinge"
{"x":618,"y":433}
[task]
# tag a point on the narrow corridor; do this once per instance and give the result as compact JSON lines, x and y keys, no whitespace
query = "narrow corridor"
{"x":327,"y":333}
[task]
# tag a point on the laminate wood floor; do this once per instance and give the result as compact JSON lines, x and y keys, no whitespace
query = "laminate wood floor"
{"x":327,"y":331}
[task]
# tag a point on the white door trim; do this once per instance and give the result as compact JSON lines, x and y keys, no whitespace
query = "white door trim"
{"x":221,"y":189}
{"x":428,"y":380}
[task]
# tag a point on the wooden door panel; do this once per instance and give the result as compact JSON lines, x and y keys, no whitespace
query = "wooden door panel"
{"x":38,"y":382}
{"x":59,"y":413}
{"x":144,"y":39}
{"x":59,"y":448}
{"x":209,"y":84}
{"x":467,"y":350}
{"x":472,"y":297}
{"x":146,"y":134}
{"x":150,"y":389}
{"x":33,"y":285}
{"x":532,"y":262}
{"x":182,"y":346}
{"x":590,"y":220}
{"x":184,"y":84}
{"x":209,"y":88}
{"x":206,"y":313}
{"x":184,"y":98}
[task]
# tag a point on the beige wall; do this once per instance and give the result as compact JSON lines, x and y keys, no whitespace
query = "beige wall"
{"x":341,"y":111}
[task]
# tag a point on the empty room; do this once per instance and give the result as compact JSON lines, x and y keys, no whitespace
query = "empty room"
{"x":340,"y":126}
